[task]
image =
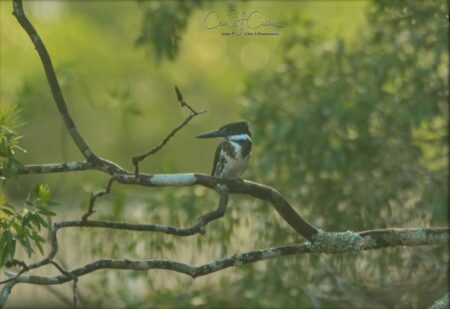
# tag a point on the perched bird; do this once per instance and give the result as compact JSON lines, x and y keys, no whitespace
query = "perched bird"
{"x":233,"y":153}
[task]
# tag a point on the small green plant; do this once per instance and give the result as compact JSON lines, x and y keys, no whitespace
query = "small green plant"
{"x":23,"y":226}
{"x":9,"y":140}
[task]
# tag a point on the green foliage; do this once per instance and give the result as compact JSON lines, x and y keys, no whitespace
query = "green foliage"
{"x":162,"y":25}
{"x":355,"y":133}
{"x":9,"y":142}
{"x":24,"y":225}
{"x":343,"y":135}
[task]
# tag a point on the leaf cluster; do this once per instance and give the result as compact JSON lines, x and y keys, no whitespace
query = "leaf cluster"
{"x":9,"y":142}
{"x":163,"y":24}
{"x":347,"y":128}
{"x":23,"y":225}
{"x":345,"y":131}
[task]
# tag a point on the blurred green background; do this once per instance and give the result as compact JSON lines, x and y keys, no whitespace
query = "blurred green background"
{"x":348,"y":108}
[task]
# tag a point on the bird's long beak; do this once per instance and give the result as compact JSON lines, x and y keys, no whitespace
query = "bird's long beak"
{"x":211,"y":134}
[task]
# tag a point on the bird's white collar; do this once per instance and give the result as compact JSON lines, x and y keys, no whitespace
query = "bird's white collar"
{"x":240,"y":137}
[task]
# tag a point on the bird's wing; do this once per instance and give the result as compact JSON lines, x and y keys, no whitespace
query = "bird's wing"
{"x":216,"y":158}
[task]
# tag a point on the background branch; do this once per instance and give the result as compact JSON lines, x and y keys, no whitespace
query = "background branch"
{"x":371,"y":240}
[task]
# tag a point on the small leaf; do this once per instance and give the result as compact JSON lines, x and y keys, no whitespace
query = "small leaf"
{"x":35,"y":220}
{"x":9,"y":206}
{"x":45,"y":211}
{"x":3,"y":252}
{"x":38,"y":240}
{"x":38,"y":244}
{"x":42,"y":192}
{"x":41,"y":221}
{"x":11,"y":244}
{"x":25,"y":242}
{"x":7,"y":211}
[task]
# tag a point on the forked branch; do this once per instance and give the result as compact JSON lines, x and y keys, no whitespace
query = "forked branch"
{"x":139,"y":158}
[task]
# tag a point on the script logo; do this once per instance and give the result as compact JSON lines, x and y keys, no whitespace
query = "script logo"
{"x":241,"y":23}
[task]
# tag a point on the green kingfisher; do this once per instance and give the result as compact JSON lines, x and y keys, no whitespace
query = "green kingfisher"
{"x":233,"y":154}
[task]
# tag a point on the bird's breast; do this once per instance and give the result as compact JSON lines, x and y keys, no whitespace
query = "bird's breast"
{"x":233,"y":162}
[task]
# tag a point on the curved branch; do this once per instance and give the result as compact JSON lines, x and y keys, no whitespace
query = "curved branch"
{"x":187,"y":269}
{"x":160,"y":228}
{"x":382,"y":238}
{"x":19,"y":13}
{"x":61,"y":105}
{"x":220,"y":211}
{"x":235,"y":186}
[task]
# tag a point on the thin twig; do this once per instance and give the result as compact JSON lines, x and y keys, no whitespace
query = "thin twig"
{"x":139,"y":158}
{"x":95,"y":195}
{"x":183,"y":102}
{"x":75,"y":291}
{"x":68,"y":274}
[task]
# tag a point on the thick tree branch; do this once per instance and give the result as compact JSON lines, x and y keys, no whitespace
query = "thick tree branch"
{"x":371,"y":240}
{"x":4,"y":293}
{"x":19,"y":13}
{"x":235,"y":186}
{"x":260,"y":191}
{"x":61,"y":105}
